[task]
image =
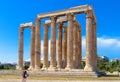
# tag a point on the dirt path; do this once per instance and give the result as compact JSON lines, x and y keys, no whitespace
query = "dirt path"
{"x":19,"y":80}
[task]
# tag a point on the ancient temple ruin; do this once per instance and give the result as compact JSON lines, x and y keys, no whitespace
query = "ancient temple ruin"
{"x":69,"y":46}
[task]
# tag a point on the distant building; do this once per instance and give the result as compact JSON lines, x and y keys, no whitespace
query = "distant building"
{"x":116,"y":59}
{"x":26,"y":62}
{"x":104,"y":58}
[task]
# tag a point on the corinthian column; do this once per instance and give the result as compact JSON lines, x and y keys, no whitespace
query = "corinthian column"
{"x":64,"y":57}
{"x":70,"y":42}
{"x":32,"y":56}
{"x":75,"y":54}
{"x":90,"y":64}
{"x":53,"y":44}
{"x":59,"y":63}
{"x":95,"y":45}
{"x":20,"y":57}
{"x":45,"y":62}
{"x":37,"y":45}
{"x":79,"y":34}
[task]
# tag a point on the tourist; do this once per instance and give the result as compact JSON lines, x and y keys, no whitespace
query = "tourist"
{"x":24,"y":76}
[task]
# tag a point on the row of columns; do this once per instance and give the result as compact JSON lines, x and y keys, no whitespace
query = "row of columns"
{"x":71,"y":45}
{"x":74,"y":45}
{"x":65,"y":59}
{"x":21,"y":48}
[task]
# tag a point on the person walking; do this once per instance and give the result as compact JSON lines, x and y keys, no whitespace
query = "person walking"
{"x":24,"y":76}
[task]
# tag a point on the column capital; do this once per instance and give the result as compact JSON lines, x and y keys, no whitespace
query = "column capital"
{"x":53,"y":19}
{"x":37,"y":19}
{"x":60,"y":25}
{"x":21,"y":29}
{"x":32,"y":27}
{"x":65,"y":29}
{"x":79,"y":29}
{"x":46,"y":26}
{"x":89,"y":14}
{"x":75,"y":24}
{"x":70,"y":16}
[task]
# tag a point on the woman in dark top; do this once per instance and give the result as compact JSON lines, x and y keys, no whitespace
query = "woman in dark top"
{"x":24,"y":76}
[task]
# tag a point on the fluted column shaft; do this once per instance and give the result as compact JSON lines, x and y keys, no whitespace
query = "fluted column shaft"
{"x":37,"y":45}
{"x":20,"y":59}
{"x":65,"y":48}
{"x":75,"y":54}
{"x":53,"y":43}
{"x":79,"y":35}
{"x":32,"y":54}
{"x":59,"y":63}
{"x":90,"y":64}
{"x":70,"y":42}
{"x":45,"y":63}
{"x":95,"y":45}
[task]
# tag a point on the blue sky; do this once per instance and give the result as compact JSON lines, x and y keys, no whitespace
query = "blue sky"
{"x":14,"y":12}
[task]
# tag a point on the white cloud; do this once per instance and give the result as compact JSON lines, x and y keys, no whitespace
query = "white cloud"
{"x":105,"y":46}
{"x":108,"y":42}
{"x":104,"y":42}
{"x":83,"y":42}
{"x":42,"y":48}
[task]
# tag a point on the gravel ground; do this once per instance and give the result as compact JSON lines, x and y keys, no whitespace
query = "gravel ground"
{"x":19,"y":80}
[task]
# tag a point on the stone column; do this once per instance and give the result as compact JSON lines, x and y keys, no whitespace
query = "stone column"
{"x":45,"y":62}
{"x":70,"y":42}
{"x":64,"y":57}
{"x":79,"y":35}
{"x":32,"y":54}
{"x":75,"y":54}
{"x":90,"y":64}
{"x":53,"y":44}
{"x":95,"y":45}
{"x":37,"y":45}
{"x":59,"y":63}
{"x":20,"y":58}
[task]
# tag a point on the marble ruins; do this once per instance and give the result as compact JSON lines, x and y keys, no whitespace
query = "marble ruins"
{"x":69,"y":51}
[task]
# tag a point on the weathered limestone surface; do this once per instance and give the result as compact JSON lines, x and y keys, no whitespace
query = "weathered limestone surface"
{"x":32,"y":56}
{"x":20,"y":58}
{"x":79,"y":35}
{"x":45,"y":63}
{"x":89,"y":44}
{"x":37,"y":45}
{"x":64,"y":55}
{"x":94,"y":45}
{"x":75,"y":54}
{"x":59,"y":63}
{"x":70,"y":42}
{"x":53,"y":44}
